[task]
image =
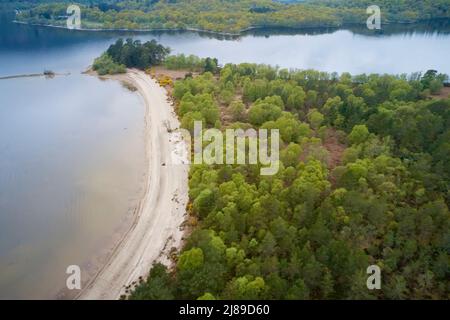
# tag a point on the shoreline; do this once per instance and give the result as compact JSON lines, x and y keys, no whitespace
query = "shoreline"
{"x":157,"y":227}
{"x":239,"y":33}
{"x":231,"y":34}
{"x":33,"y":75}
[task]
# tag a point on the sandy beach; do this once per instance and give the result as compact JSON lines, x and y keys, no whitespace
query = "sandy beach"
{"x":157,"y":225}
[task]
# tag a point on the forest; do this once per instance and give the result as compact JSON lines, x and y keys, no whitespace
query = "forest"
{"x":229,"y":16}
{"x":364,"y":180}
{"x":106,"y":65}
{"x":135,"y":54}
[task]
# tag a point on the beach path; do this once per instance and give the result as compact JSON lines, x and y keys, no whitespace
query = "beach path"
{"x":161,"y":212}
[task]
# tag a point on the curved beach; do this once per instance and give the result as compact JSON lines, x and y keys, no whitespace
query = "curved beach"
{"x":157,"y":225}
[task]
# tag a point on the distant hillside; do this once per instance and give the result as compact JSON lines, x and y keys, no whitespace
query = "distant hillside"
{"x":230,"y":16}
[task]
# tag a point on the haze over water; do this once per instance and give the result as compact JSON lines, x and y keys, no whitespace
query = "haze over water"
{"x":72,"y":151}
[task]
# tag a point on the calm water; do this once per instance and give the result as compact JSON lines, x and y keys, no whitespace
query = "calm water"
{"x":72,"y":149}
{"x":71,"y":170}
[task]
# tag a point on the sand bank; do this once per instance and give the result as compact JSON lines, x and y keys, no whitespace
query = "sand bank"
{"x":157,"y":226}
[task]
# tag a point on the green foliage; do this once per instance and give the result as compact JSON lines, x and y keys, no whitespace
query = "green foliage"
{"x":200,"y":107}
{"x":263,"y":111}
{"x":191,"y":260}
{"x":134,"y":54}
{"x":158,"y":287}
{"x":237,"y":110}
{"x":232,"y":16}
{"x":191,"y":63}
{"x":211,"y":65}
{"x":105,"y":65}
{"x":359,"y":134}
{"x":244,"y":288}
{"x":311,"y":230}
{"x":207,"y":296}
{"x":433,"y":81}
{"x":315,"y":118}
{"x":180,"y":61}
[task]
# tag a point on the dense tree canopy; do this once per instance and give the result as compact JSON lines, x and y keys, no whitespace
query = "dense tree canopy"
{"x":130,"y":54}
{"x":105,"y":65}
{"x":135,"y":54}
{"x":364,"y":179}
{"x":231,"y":16}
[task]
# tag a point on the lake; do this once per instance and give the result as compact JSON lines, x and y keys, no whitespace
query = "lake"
{"x":72,"y":165}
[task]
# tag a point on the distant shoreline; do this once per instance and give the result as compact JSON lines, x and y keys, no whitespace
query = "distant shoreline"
{"x":247,"y":31}
{"x":220,"y":33}
{"x":137,"y":30}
